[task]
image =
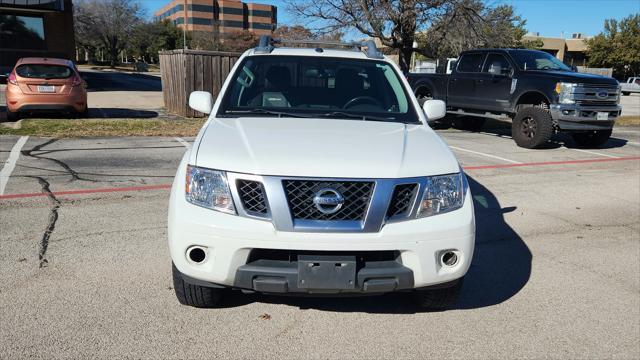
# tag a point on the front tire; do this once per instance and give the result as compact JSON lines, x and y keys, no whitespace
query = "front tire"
{"x":532,"y":127}
{"x":592,"y":139}
{"x":194,"y":295}
{"x":626,"y":93}
{"x":438,"y":299}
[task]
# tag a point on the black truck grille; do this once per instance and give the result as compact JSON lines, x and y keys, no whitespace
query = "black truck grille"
{"x":401,"y":200}
{"x":252,"y":196}
{"x":300,"y":195}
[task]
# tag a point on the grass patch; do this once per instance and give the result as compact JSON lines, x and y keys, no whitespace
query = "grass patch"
{"x":105,"y":127}
{"x":628,"y":121}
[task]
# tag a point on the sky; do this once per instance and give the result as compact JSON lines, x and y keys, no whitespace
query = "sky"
{"x":548,"y":17}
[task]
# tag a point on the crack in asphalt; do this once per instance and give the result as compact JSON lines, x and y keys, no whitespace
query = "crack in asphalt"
{"x":53,"y":219}
{"x":74,"y":175}
{"x":70,"y":171}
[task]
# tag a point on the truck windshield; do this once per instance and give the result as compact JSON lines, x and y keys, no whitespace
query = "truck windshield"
{"x":303,"y":86}
{"x":537,"y":60}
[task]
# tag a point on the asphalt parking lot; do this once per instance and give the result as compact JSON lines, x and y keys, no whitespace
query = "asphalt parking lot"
{"x":86,"y":269}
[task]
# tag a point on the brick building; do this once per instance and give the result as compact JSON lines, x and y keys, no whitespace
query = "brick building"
{"x":223,"y":16}
{"x":41,"y":28}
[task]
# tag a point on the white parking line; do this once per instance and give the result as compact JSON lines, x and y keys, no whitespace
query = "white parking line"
{"x":10,"y":164}
{"x":183,"y":142}
{"x":592,"y":152}
{"x":487,"y":155}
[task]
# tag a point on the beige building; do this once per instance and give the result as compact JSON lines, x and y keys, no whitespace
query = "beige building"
{"x":571,"y":51}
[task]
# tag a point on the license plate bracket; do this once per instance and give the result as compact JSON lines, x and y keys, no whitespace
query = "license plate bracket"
{"x":326,"y":272}
{"x":602,"y":115}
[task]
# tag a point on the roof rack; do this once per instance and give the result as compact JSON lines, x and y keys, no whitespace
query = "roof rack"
{"x":266,"y":45}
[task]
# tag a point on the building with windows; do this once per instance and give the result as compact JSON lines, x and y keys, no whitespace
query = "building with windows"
{"x":572,"y":52}
{"x":40,"y":28}
{"x":224,"y":17}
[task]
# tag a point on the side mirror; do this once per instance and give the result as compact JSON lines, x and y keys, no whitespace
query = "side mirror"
{"x":574,"y":68}
{"x":201,"y":101}
{"x":434,"y":109}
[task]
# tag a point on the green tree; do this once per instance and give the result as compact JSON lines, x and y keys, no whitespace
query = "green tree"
{"x":108,"y":24}
{"x":617,"y":47}
{"x":497,"y":27}
{"x":395,"y":23}
{"x":149,"y":38}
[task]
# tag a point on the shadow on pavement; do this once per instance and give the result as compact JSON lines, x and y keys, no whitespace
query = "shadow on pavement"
{"x":501,"y":267}
{"x":94,"y":113}
{"x":119,"y":81}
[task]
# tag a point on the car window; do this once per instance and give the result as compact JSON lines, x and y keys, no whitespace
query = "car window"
{"x":37,"y":71}
{"x":470,"y":62}
{"x":638,"y":81}
{"x":537,"y":60}
{"x":317,"y":86}
{"x":496,"y":64}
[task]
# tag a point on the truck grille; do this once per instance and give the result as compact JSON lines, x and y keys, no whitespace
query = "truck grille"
{"x":401,"y":200}
{"x":252,"y":196}
{"x":588,"y":94}
{"x":300,"y":194}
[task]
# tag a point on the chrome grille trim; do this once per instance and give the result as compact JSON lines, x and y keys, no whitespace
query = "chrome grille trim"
{"x":402,"y":200}
{"x":374,"y":218}
{"x":300,"y":194}
{"x":586,"y":94}
{"x":252,"y":196}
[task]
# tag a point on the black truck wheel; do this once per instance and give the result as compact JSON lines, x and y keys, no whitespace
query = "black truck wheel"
{"x":438,"y":299}
{"x":469,"y":123}
{"x":591,"y":139}
{"x":194,"y":295}
{"x":532,"y":127}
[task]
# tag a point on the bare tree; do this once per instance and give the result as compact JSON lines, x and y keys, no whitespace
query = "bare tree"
{"x":394,"y":23}
{"x":106,"y":23}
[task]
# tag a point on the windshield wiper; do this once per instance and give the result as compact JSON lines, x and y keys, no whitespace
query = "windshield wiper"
{"x":356,"y":116}
{"x":268,"y":112}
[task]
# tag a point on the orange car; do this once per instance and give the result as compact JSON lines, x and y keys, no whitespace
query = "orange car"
{"x":45,"y":84}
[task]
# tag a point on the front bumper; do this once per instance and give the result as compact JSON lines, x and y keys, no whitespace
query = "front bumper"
{"x":229,"y":241}
{"x":580,"y":117}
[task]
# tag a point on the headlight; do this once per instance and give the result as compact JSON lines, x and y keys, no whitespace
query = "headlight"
{"x":565,"y":92}
{"x":442,"y":194}
{"x":209,"y":188}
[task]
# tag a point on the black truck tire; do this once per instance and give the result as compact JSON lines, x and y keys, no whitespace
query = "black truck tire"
{"x":626,"y":93}
{"x":532,"y":127}
{"x":438,"y":299}
{"x":194,"y":295}
{"x":591,"y":139}
{"x":469,"y":123}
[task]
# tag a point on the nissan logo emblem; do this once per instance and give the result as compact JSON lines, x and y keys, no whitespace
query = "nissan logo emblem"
{"x":328,"y":201}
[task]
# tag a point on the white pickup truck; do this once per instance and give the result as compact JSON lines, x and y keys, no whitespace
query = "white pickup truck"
{"x":316,"y":173}
{"x":631,"y":86}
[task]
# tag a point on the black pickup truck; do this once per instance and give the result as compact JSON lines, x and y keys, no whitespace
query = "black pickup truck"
{"x":540,"y":93}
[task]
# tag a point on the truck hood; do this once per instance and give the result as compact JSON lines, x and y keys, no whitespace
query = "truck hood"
{"x":323,"y":148}
{"x":584,"y":78}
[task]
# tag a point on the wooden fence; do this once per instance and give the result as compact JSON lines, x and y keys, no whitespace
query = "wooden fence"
{"x":184,"y":71}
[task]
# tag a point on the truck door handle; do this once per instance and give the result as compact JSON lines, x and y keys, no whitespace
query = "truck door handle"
{"x":479,"y":81}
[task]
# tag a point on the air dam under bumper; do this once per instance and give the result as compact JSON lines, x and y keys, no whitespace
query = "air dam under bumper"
{"x":323,"y":274}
